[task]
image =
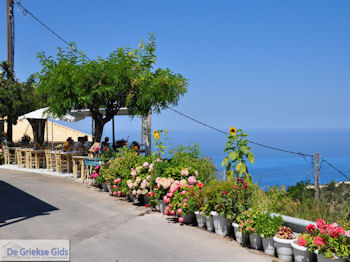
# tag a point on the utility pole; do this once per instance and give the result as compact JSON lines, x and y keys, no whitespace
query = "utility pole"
{"x":10,"y":33}
{"x":10,"y":51}
{"x":317,"y":183}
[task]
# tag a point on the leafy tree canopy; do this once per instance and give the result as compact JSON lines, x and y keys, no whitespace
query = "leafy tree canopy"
{"x":126,"y":78}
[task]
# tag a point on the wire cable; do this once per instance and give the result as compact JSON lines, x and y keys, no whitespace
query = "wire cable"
{"x":336,"y":169}
{"x":48,"y":28}
{"x":250,"y":141}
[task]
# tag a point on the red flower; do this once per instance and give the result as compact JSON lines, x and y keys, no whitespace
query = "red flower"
{"x":224,"y":192}
{"x":152,"y":193}
{"x":339,"y":230}
{"x":319,"y":241}
{"x":245,"y":186}
{"x":147,"y":205}
{"x":200,"y":184}
{"x":310,"y":228}
{"x":302,"y":242}
{"x":321,"y":224}
{"x":105,"y":148}
{"x":235,"y":187}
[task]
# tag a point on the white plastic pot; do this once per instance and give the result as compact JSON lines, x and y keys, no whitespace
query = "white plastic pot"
{"x":209,"y":223}
{"x":321,"y":258}
{"x":200,"y":219}
{"x":255,"y":241}
{"x":301,"y":254}
{"x":241,"y":238}
{"x":284,"y":248}
{"x":222,"y":225}
{"x":268,"y":246}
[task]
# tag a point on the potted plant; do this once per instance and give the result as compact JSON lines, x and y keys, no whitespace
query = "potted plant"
{"x":181,"y":200}
{"x":199,"y":198}
{"x":303,"y":248}
{"x":223,"y":212}
{"x":267,"y":226}
{"x":248,"y":220}
{"x":158,"y":195}
{"x":243,"y":227}
{"x":209,"y":195}
{"x":283,"y":240}
{"x":332,"y":242}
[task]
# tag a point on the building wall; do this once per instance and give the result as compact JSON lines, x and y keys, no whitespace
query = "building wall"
{"x":60,"y":132}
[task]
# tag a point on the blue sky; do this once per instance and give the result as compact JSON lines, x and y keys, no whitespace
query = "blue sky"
{"x":252,"y":64}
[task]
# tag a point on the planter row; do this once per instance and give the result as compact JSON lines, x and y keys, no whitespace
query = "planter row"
{"x":285,"y":249}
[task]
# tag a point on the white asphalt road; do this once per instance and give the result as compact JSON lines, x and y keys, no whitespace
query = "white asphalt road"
{"x":102,"y":228}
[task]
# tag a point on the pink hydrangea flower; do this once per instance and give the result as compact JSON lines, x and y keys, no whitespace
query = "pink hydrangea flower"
{"x":165,"y":198}
{"x":172,"y":190}
{"x":114,"y":186}
{"x":146,"y":164}
{"x":185,"y":204}
{"x":119,"y":193}
{"x":185,"y":200}
{"x":134,"y":192}
{"x":114,"y":193}
{"x":183,"y":192}
{"x":179,"y":211}
{"x":181,"y":219}
{"x":172,"y":212}
{"x":192,"y":180}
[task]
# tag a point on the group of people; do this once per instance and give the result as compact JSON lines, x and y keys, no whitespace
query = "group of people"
{"x":82,"y":144}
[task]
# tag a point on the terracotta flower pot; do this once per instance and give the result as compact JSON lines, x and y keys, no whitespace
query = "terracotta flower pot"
{"x":200,"y":219}
{"x":269,"y":246}
{"x":222,"y":225}
{"x":242,"y":239}
{"x":255,"y":241}
{"x":209,"y":223}
{"x":302,"y":254}
{"x":284,"y":248}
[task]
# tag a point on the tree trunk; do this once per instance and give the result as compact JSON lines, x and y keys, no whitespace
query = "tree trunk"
{"x":9,"y":130}
{"x":98,"y":130}
{"x":38,"y":126}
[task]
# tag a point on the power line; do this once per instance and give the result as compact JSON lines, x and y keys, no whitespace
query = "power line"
{"x":336,"y":169}
{"x":250,"y":141}
{"x":47,"y":27}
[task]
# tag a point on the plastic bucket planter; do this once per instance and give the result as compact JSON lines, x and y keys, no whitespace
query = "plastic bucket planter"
{"x":162,"y":206}
{"x":301,"y":254}
{"x":284,"y":248}
{"x":130,"y":197}
{"x":200,"y":219}
{"x":241,"y":238}
{"x":222,"y":225}
{"x":321,"y":258}
{"x":209,"y":223}
{"x":189,"y":219}
{"x":255,"y":241}
{"x":268,"y":245}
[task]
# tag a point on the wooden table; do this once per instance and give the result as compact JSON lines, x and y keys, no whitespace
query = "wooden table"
{"x":69,"y":156}
{"x":78,"y":161}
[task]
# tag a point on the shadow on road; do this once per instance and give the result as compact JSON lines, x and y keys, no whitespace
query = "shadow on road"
{"x":17,"y":205}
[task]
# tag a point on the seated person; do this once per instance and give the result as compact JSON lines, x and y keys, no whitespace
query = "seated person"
{"x":80,"y":144}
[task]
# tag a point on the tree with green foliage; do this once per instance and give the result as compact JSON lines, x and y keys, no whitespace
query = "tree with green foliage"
{"x":126,"y":78}
{"x":16,"y":99}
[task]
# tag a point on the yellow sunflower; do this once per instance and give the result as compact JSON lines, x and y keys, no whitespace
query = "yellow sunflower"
{"x":156,"y":136}
{"x":166,"y":131}
{"x":233,"y":130}
{"x":155,"y":132}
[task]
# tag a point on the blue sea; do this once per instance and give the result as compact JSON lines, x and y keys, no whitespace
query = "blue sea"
{"x":271,"y":167}
{"x":274,"y":167}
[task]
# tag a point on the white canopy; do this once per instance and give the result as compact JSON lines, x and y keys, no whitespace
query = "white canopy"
{"x":72,"y":116}
{"x":43,"y":113}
